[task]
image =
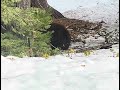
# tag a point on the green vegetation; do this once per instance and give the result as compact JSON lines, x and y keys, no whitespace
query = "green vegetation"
{"x":88,"y":52}
{"x":25,"y":36}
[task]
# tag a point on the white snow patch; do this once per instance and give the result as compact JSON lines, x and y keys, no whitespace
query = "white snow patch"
{"x":98,"y":71}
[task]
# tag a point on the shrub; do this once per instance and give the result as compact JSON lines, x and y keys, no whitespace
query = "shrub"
{"x":28,"y":25}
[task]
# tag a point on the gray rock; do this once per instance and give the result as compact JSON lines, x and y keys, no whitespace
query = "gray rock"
{"x":94,"y":42}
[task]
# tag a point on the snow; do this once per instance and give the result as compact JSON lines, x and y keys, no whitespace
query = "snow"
{"x":107,"y":11}
{"x":65,"y":5}
{"x":98,"y":71}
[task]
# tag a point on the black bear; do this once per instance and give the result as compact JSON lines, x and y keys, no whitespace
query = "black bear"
{"x":60,"y":37}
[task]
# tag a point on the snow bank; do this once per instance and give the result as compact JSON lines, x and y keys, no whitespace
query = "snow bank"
{"x":107,"y":11}
{"x":12,"y":57}
{"x":99,"y":71}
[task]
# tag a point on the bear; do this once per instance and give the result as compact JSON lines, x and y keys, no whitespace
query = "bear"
{"x":60,"y":36}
